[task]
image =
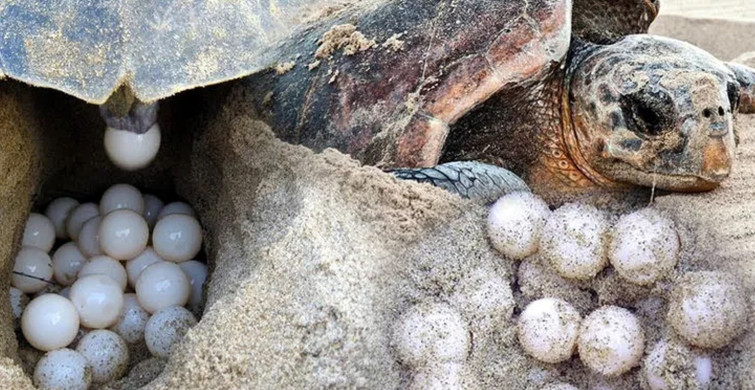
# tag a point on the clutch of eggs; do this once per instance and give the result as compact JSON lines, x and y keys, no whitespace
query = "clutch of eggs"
{"x":123,"y":267}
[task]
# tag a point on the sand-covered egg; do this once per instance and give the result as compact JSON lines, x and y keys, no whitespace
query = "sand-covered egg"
{"x":58,"y":211}
{"x":708,"y":309}
{"x":63,"y":369}
{"x":106,"y":352}
{"x":39,"y":232}
{"x":105,"y":265}
{"x":515,"y":222}
{"x":611,"y":341}
{"x":431,"y":333}
{"x":79,"y":216}
{"x":559,"y":386}
{"x":548,"y":329}
{"x":98,"y":300}
{"x":177,"y":237}
{"x":161,"y":285}
{"x":121,"y":196}
{"x":131,"y":151}
{"x":644,"y":246}
{"x":166,"y":328}
{"x":574,"y":241}
{"x":132,"y":320}
{"x":123,"y":234}
{"x":49,"y":322}
{"x":670,"y":365}
{"x":67,"y":261}
{"x":197,"y":274}
{"x":32,"y":270}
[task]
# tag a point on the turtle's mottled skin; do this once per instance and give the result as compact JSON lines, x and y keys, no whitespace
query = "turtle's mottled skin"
{"x":512,"y":84}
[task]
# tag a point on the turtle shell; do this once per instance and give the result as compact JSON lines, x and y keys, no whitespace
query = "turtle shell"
{"x":89,"y":48}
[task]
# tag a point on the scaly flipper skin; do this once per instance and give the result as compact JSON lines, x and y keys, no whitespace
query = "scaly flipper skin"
{"x":392,"y":107}
{"x":607,"y":21}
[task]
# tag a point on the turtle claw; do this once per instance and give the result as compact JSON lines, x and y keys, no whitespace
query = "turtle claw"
{"x":469,"y":179}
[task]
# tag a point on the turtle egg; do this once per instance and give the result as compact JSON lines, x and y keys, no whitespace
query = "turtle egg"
{"x":135,"y":266}
{"x":197,"y":274}
{"x":123,"y":234}
{"x":152,"y":207}
{"x":78,"y":216}
{"x":39,"y":232}
{"x":611,"y":341}
{"x":548,"y":329}
{"x":121,"y":196}
{"x":431,"y":333}
{"x":63,"y":369}
{"x":49,"y":322}
{"x":18,"y":302}
{"x":559,"y":386}
{"x":98,"y":300}
{"x":58,"y":211}
{"x":644,"y":246}
{"x":32,"y":270}
{"x":89,"y":237}
{"x":131,"y":151}
{"x":105,"y":265}
{"x":166,"y":328}
{"x":132,"y":320}
{"x":106,"y":352}
{"x":515,"y":222}
{"x":707,"y":309}
{"x":573,"y":241}
{"x":175,"y":208}
{"x":161,"y":285}
{"x":67,"y":262}
{"x":671,"y":365}
{"x":177,"y":237}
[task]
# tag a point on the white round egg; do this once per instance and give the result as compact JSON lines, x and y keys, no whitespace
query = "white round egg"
{"x":63,"y":369}
{"x":708,"y":309}
{"x":106,"y":352}
{"x":611,"y":341}
{"x":78,"y":216}
{"x":548,"y":329}
{"x":644,"y":246}
{"x":105,"y":265}
{"x":176,"y":208}
{"x":135,"y":266}
{"x":132,"y":320}
{"x":67,"y":262}
{"x":123,"y":234}
{"x":431,"y":333}
{"x":166,"y":328}
{"x":58,"y":211}
{"x":98,"y":300}
{"x":18,"y":302}
{"x":515,"y":223}
{"x":130,"y":151}
{"x":89,"y":237}
{"x":161,"y":285}
{"x":121,"y":196}
{"x":152,"y":207}
{"x":49,"y":322}
{"x":574,"y":241}
{"x":670,"y":365}
{"x":32,"y":270}
{"x":39,"y":232}
{"x":197,"y":274}
{"x":177,"y":237}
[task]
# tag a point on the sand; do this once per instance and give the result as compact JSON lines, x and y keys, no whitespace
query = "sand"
{"x":314,"y":258}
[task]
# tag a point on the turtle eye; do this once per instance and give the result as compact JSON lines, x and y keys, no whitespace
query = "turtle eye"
{"x":647,"y":113}
{"x":732,"y":89}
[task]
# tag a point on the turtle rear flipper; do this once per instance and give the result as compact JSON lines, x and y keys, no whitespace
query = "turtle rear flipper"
{"x":607,"y":21}
{"x":468,"y":179}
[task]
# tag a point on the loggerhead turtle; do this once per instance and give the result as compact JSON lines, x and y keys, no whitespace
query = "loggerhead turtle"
{"x":570,"y":101}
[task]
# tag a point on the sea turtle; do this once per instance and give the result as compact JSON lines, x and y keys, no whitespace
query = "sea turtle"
{"x":568,"y":100}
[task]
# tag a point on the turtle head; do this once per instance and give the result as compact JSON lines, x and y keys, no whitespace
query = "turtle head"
{"x":652,"y":111}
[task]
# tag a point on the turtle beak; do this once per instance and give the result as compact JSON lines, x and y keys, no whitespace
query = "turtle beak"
{"x":717,"y":160}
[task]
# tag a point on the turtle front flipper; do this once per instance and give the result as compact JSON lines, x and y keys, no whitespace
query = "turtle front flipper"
{"x":385,"y":83}
{"x":607,"y":21}
{"x":469,"y":179}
